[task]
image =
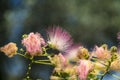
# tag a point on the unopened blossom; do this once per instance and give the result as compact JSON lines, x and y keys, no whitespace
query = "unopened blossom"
{"x":59,"y":39}
{"x":115,"y":65}
{"x":9,"y":49}
{"x":71,"y":70}
{"x":73,"y":77}
{"x":82,"y":53}
{"x":84,"y":68}
{"x":33,"y":43}
{"x":58,"y":60}
{"x":102,"y":53}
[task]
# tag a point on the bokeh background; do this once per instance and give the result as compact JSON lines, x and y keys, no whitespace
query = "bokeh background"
{"x":90,"y":22}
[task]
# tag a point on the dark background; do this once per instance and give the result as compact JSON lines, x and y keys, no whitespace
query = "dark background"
{"x":90,"y":22}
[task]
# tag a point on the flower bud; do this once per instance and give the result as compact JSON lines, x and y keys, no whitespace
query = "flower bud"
{"x":10,"y":49}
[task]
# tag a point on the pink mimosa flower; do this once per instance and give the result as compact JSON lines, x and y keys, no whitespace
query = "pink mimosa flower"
{"x":72,"y":52}
{"x":102,"y":53}
{"x":59,"y":39}
{"x":118,"y":37}
{"x":84,"y":68}
{"x":33,"y":43}
{"x":62,"y":59}
{"x":76,"y":52}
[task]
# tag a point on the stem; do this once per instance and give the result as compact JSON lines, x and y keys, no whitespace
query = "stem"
{"x":107,"y":69}
{"x":42,"y":62}
{"x":22,"y":55}
{"x":45,"y":52}
{"x":29,"y":68}
{"x":114,"y":75}
{"x":98,"y":61}
{"x":100,"y":74}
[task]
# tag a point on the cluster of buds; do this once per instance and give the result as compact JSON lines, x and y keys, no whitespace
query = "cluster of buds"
{"x":70,"y":61}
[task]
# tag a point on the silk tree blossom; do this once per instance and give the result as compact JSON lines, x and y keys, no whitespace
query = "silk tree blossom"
{"x":102,"y":53}
{"x":33,"y":43}
{"x":63,"y":60}
{"x":72,"y":53}
{"x":84,"y":68}
{"x":10,"y":49}
{"x":77,"y":52}
{"x":59,"y":39}
{"x":118,"y":37}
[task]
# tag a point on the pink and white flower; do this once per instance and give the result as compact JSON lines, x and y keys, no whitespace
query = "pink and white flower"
{"x":59,"y":39}
{"x":33,"y":43}
{"x":72,"y":52}
{"x":118,"y":37}
{"x":84,"y":68}
{"x":102,"y":53}
{"x":62,"y":59}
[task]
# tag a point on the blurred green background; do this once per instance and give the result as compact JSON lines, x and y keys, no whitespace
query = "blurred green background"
{"x":90,"y":22}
